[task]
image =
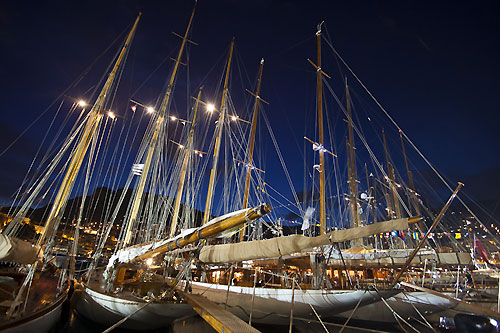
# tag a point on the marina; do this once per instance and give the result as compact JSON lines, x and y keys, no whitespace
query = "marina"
{"x":241,"y":175}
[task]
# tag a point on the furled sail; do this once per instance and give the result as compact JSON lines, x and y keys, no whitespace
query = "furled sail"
{"x":217,"y":226}
{"x":280,"y":246}
{"x":18,"y":251}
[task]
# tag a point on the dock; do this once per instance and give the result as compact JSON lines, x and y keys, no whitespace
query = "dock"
{"x":216,"y":316}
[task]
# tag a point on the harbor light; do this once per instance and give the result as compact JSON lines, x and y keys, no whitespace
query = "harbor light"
{"x":210,"y":107}
{"x":82,"y":103}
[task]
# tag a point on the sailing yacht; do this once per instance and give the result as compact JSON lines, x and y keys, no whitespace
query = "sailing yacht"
{"x":276,"y":265}
{"x":133,"y":291}
{"x":272,"y":301}
{"x":33,"y":293}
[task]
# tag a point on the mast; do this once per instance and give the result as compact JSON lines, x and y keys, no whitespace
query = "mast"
{"x":321,"y":169}
{"x":251,"y":143}
{"x":152,"y":145}
{"x":371,"y":199}
{"x":353,"y":185}
{"x":218,"y":129}
{"x":188,"y":152}
{"x":410,"y":178}
{"x":95,"y":116}
{"x":390,"y":172}
{"x":92,"y":123}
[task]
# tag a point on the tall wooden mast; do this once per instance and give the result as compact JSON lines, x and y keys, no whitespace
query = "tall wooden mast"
{"x":353,"y":185}
{"x":152,"y":145}
{"x":371,"y":199}
{"x":252,"y":143}
{"x":95,"y":116}
{"x":218,"y":130}
{"x":321,"y":169}
{"x":187,"y":156}
{"x":92,"y":124}
{"x":392,"y":182}
{"x":413,"y":196}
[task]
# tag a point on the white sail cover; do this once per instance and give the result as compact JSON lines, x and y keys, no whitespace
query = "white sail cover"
{"x":280,"y":246}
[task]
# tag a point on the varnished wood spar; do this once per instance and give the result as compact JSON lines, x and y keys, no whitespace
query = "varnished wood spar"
{"x":371,"y":199}
{"x":371,"y":185}
{"x":95,"y":116}
{"x":187,"y":156}
{"x":390,"y":173}
{"x":209,"y":231}
{"x":353,"y":185}
{"x":426,"y":235}
{"x":252,"y":143}
{"x":218,"y":129}
{"x":322,"y":186}
{"x":152,"y":145}
{"x":413,"y":196}
{"x":321,"y":150}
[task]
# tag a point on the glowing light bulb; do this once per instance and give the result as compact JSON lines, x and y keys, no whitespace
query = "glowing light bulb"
{"x":173,"y":118}
{"x":149,"y":261}
{"x":210,"y":107}
{"x":234,"y":118}
{"x":150,"y":109}
{"x":82,"y":103}
{"x":134,"y":107}
{"x":111,"y":115}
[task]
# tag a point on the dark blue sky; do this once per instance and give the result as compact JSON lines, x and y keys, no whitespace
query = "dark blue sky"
{"x":433,"y":65}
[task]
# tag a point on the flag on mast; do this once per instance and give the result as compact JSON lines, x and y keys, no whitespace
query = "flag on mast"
{"x":480,"y":249}
{"x":137,"y":169}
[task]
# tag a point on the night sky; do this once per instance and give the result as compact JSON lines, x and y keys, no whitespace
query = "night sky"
{"x":433,"y":65}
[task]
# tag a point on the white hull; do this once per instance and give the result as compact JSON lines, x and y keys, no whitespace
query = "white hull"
{"x":40,"y":321}
{"x":107,"y":310}
{"x":273,"y":305}
{"x":403,"y":304}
